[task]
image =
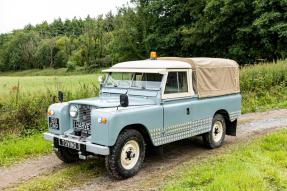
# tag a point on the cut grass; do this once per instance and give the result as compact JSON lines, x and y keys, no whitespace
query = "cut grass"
{"x":53,"y":72}
{"x":14,"y":150}
{"x":256,"y":165}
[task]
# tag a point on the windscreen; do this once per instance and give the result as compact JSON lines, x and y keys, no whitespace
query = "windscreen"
{"x":118,"y":79}
{"x":134,"y":80}
{"x":147,"y":80}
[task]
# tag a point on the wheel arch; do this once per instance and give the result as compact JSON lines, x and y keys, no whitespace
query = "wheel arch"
{"x":224,"y":113}
{"x":230,"y":126}
{"x":140,"y":128}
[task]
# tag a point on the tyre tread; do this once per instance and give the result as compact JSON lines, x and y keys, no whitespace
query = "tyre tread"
{"x":65,"y":157}
{"x":207,"y":137}
{"x":110,"y":161}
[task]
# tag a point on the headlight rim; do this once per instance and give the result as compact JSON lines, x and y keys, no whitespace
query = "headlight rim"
{"x":75,"y":109}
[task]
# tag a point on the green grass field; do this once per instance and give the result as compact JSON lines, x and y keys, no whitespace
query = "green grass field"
{"x":53,"y":72}
{"x":251,"y":165}
{"x":40,"y":84}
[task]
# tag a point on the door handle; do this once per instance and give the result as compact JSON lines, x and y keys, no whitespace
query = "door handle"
{"x":187,"y":111}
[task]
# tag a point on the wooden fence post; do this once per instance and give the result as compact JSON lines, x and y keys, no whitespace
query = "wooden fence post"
{"x":53,"y":99}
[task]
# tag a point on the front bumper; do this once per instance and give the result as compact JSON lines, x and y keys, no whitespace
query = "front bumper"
{"x":84,"y":146}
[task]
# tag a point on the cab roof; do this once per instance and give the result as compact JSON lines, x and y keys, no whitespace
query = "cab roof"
{"x":211,"y":76}
{"x":176,"y":62}
{"x":152,"y":64}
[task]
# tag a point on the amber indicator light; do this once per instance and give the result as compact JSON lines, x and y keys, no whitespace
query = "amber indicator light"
{"x":49,"y":112}
{"x":104,"y":120}
{"x":153,"y":55}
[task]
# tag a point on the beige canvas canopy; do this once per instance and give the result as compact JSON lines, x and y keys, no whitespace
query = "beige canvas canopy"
{"x":212,"y":76}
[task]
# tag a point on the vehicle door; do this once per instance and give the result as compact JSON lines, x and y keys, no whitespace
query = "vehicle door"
{"x":176,"y":101}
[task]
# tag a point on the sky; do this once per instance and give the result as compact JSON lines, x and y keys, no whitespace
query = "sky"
{"x":15,"y":14}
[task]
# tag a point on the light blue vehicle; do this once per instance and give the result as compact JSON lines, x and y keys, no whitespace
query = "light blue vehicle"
{"x":146,"y":104}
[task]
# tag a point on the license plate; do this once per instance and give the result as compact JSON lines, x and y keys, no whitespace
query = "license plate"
{"x":69,"y":144}
{"x":81,"y":125}
{"x":54,"y":123}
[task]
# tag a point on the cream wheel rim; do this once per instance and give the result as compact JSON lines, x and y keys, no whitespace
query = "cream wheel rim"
{"x":217,"y":131}
{"x":130,"y":154}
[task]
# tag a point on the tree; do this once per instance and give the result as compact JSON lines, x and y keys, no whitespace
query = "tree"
{"x":87,"y":42}
{"x":52,"y":45}
{"x":20,"y":52}
{"x":243,"y":30}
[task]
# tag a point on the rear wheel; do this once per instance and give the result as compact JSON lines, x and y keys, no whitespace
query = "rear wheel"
{"x":127,"y":155}
{"x":67,"y":155}
{"x":215,"y":137}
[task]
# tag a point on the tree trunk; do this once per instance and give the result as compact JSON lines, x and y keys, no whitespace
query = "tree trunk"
{"x":51,"y":64}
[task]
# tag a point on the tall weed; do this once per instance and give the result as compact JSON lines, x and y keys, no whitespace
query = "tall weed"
{"x":263,"y":86}
{"x":263,"y":76}
{"x":25,"y":113}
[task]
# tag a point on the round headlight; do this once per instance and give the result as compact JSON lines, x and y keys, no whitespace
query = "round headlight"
{"x":73,"y":111}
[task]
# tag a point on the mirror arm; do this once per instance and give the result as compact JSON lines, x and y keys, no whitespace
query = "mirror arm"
{"x":60,"y":99}
{"x":60,"y":96}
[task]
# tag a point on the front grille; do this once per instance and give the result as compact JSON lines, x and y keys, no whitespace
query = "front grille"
{"x":84,"y":114}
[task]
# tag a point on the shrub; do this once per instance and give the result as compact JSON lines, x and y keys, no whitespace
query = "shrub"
{"x":71,"y":65}
{"x":60,"y":59}
{"x":91,"y":68}
{"x":107,"y":61}
{"x":77,"y":57}
{"x":104,"y":62}
{"x":2,"y":67}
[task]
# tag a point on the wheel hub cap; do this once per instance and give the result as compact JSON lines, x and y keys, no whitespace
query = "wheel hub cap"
{"x":217,"y":131}
{"x":130,"y":154}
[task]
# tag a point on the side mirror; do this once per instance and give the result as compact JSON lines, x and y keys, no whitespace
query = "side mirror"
{"x":60,"y":96}
{"x":101,"y":79}
{"x":124,"y":100}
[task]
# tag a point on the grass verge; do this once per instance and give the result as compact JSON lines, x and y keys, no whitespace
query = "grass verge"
{"x":254,"y":165}
{"x":14,"y":150}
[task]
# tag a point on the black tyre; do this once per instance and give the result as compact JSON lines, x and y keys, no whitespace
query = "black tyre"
{"x":215,"y":137}
{"x":127,"y":155}
{"x":67,"y":155}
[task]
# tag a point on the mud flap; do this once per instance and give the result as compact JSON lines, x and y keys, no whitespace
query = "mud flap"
{"x":231,"y":127}
{"x":155,"y":150}
{"x":56,"y":142}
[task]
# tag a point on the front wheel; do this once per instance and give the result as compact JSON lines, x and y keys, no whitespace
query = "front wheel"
{"x":67,"y":155}
{"x":215,"y":137}
{"x":127,"y":155}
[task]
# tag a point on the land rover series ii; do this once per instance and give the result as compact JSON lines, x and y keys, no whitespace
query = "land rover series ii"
{"x":146,"y":104}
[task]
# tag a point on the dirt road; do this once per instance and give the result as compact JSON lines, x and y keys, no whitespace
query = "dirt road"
{"x":154,"y":168}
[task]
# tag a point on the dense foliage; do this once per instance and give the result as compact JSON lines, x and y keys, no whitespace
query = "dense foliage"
{"x":244,"y":30}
